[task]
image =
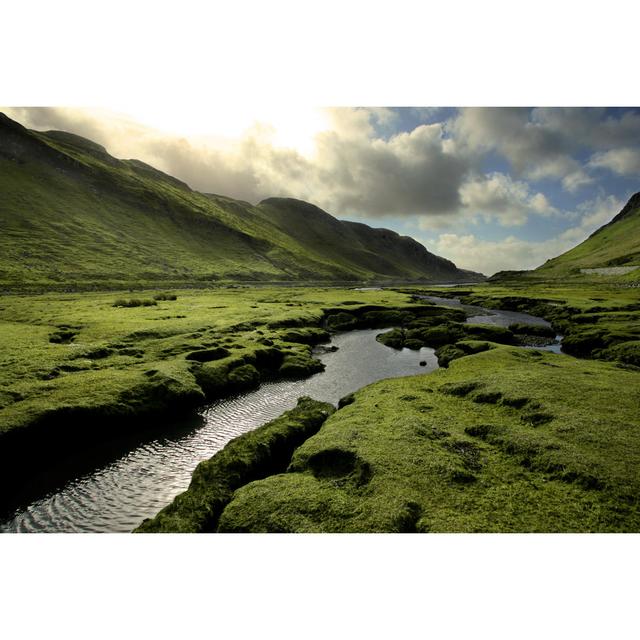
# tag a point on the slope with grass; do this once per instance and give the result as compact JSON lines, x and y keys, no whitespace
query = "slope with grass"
{"x":610,"y":254}
{"x":71,"y":215}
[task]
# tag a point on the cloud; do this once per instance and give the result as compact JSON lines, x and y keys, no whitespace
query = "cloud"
{"x":624,"y":161}
{"x":492,"y":197}
{"x":358,"y":167}
{"x":488,"y":256}
{"x":546,"y":143}
{"x":410,"y":173}
{"x":498,"y":197}
{"x":353,"y":171}
{"x":513,"y":253}
{"x":592,"y":215}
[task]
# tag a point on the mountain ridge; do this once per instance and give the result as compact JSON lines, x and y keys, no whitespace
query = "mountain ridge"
{"x":71,"y":213}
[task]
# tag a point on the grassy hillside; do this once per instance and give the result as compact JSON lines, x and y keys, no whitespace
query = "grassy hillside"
{"x":349,"y":243}
{"x":71,"y":214}
{"x":616,"y":244}
{"x":607,"y":255}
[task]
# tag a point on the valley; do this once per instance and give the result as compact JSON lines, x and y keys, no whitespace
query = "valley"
{"x":181,"y":361}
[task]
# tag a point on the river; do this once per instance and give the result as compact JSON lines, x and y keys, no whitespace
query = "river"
{"x":130,"y":479}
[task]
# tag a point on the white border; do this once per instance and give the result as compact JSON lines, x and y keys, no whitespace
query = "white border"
{"x":120,"y":55}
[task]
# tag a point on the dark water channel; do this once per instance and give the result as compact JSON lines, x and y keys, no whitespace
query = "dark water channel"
{"x":128,"y":480}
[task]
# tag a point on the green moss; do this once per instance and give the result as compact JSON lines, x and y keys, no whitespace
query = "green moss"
{"x":64,"y":351}
{"x":492,"y":333}
{"x":448,"y":353}
{"x":207,"y":355}
{"x":300,"y":365}
{"x":244,"y":377}
{"x":394,"y":338}
{"x":593,"y":319}
{"x":256,"y":454}
{"x":134,"y":302}
{"x":341,"y":321}
{"x":437,"y":336}
{"x":532,"y":330}
{"x":310,"y":335}
{"x":626,"y":352}
{"x":512,"y":440}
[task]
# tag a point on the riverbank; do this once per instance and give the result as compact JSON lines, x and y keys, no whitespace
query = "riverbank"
{"x":115,"y":484}
{"x":179,"y":353}
{"x":508,"y":440}
{"x":79,"y":372}
{"x":505,"y":439}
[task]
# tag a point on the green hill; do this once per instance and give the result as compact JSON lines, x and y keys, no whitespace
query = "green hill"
{"x":613,"y":249}
{"x":73,"y":215}
{"x":609,"y":254}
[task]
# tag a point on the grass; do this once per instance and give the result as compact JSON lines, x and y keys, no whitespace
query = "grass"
{"x":504,"y":440}
{"x":64,"y":351}
{"x":600,"y":322}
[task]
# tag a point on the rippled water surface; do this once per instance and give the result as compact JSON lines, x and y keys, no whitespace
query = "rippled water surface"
{"x":120,"y":493}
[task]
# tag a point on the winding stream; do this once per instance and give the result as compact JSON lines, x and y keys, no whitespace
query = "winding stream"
{"x":133,"y":479}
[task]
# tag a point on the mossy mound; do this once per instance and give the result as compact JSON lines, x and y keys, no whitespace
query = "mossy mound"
{"x":443,"y":334}
{"x":374,"y":317}
{"x":207,"y":355}
{"x":451,"y":352}
{"x":592,"y":319}
{"x":299,"y":365}
{"x":309,"y":335}
{"x":625,"y":352}
{"x":538,"y":330}
{"x":504,"y":440}
{"x":256,"y":454}
{"x":490,"y":332}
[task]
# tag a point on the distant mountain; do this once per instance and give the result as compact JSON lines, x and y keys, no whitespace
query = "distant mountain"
{"x":71,"y":214}
{"x":613,"y":251}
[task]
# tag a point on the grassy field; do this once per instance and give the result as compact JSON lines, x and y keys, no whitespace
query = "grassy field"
{"x":79,"y":358}
{"x":597,"y":321}
{"x":504,"y":439}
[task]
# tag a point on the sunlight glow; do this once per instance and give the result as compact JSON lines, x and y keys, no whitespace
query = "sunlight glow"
{"x":291,"y":127}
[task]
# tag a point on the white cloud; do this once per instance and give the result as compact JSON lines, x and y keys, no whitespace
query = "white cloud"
{"x":498,"y":197}
{"x":432,"y":172}
{"x":489,"y":256}
{"x":592,"y":215}
{"x":624,"y":161}
{"x":513,"y":253}
{"x":351,"y":172}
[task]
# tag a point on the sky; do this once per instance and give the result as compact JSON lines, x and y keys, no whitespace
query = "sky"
{"x":489,"y":188}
